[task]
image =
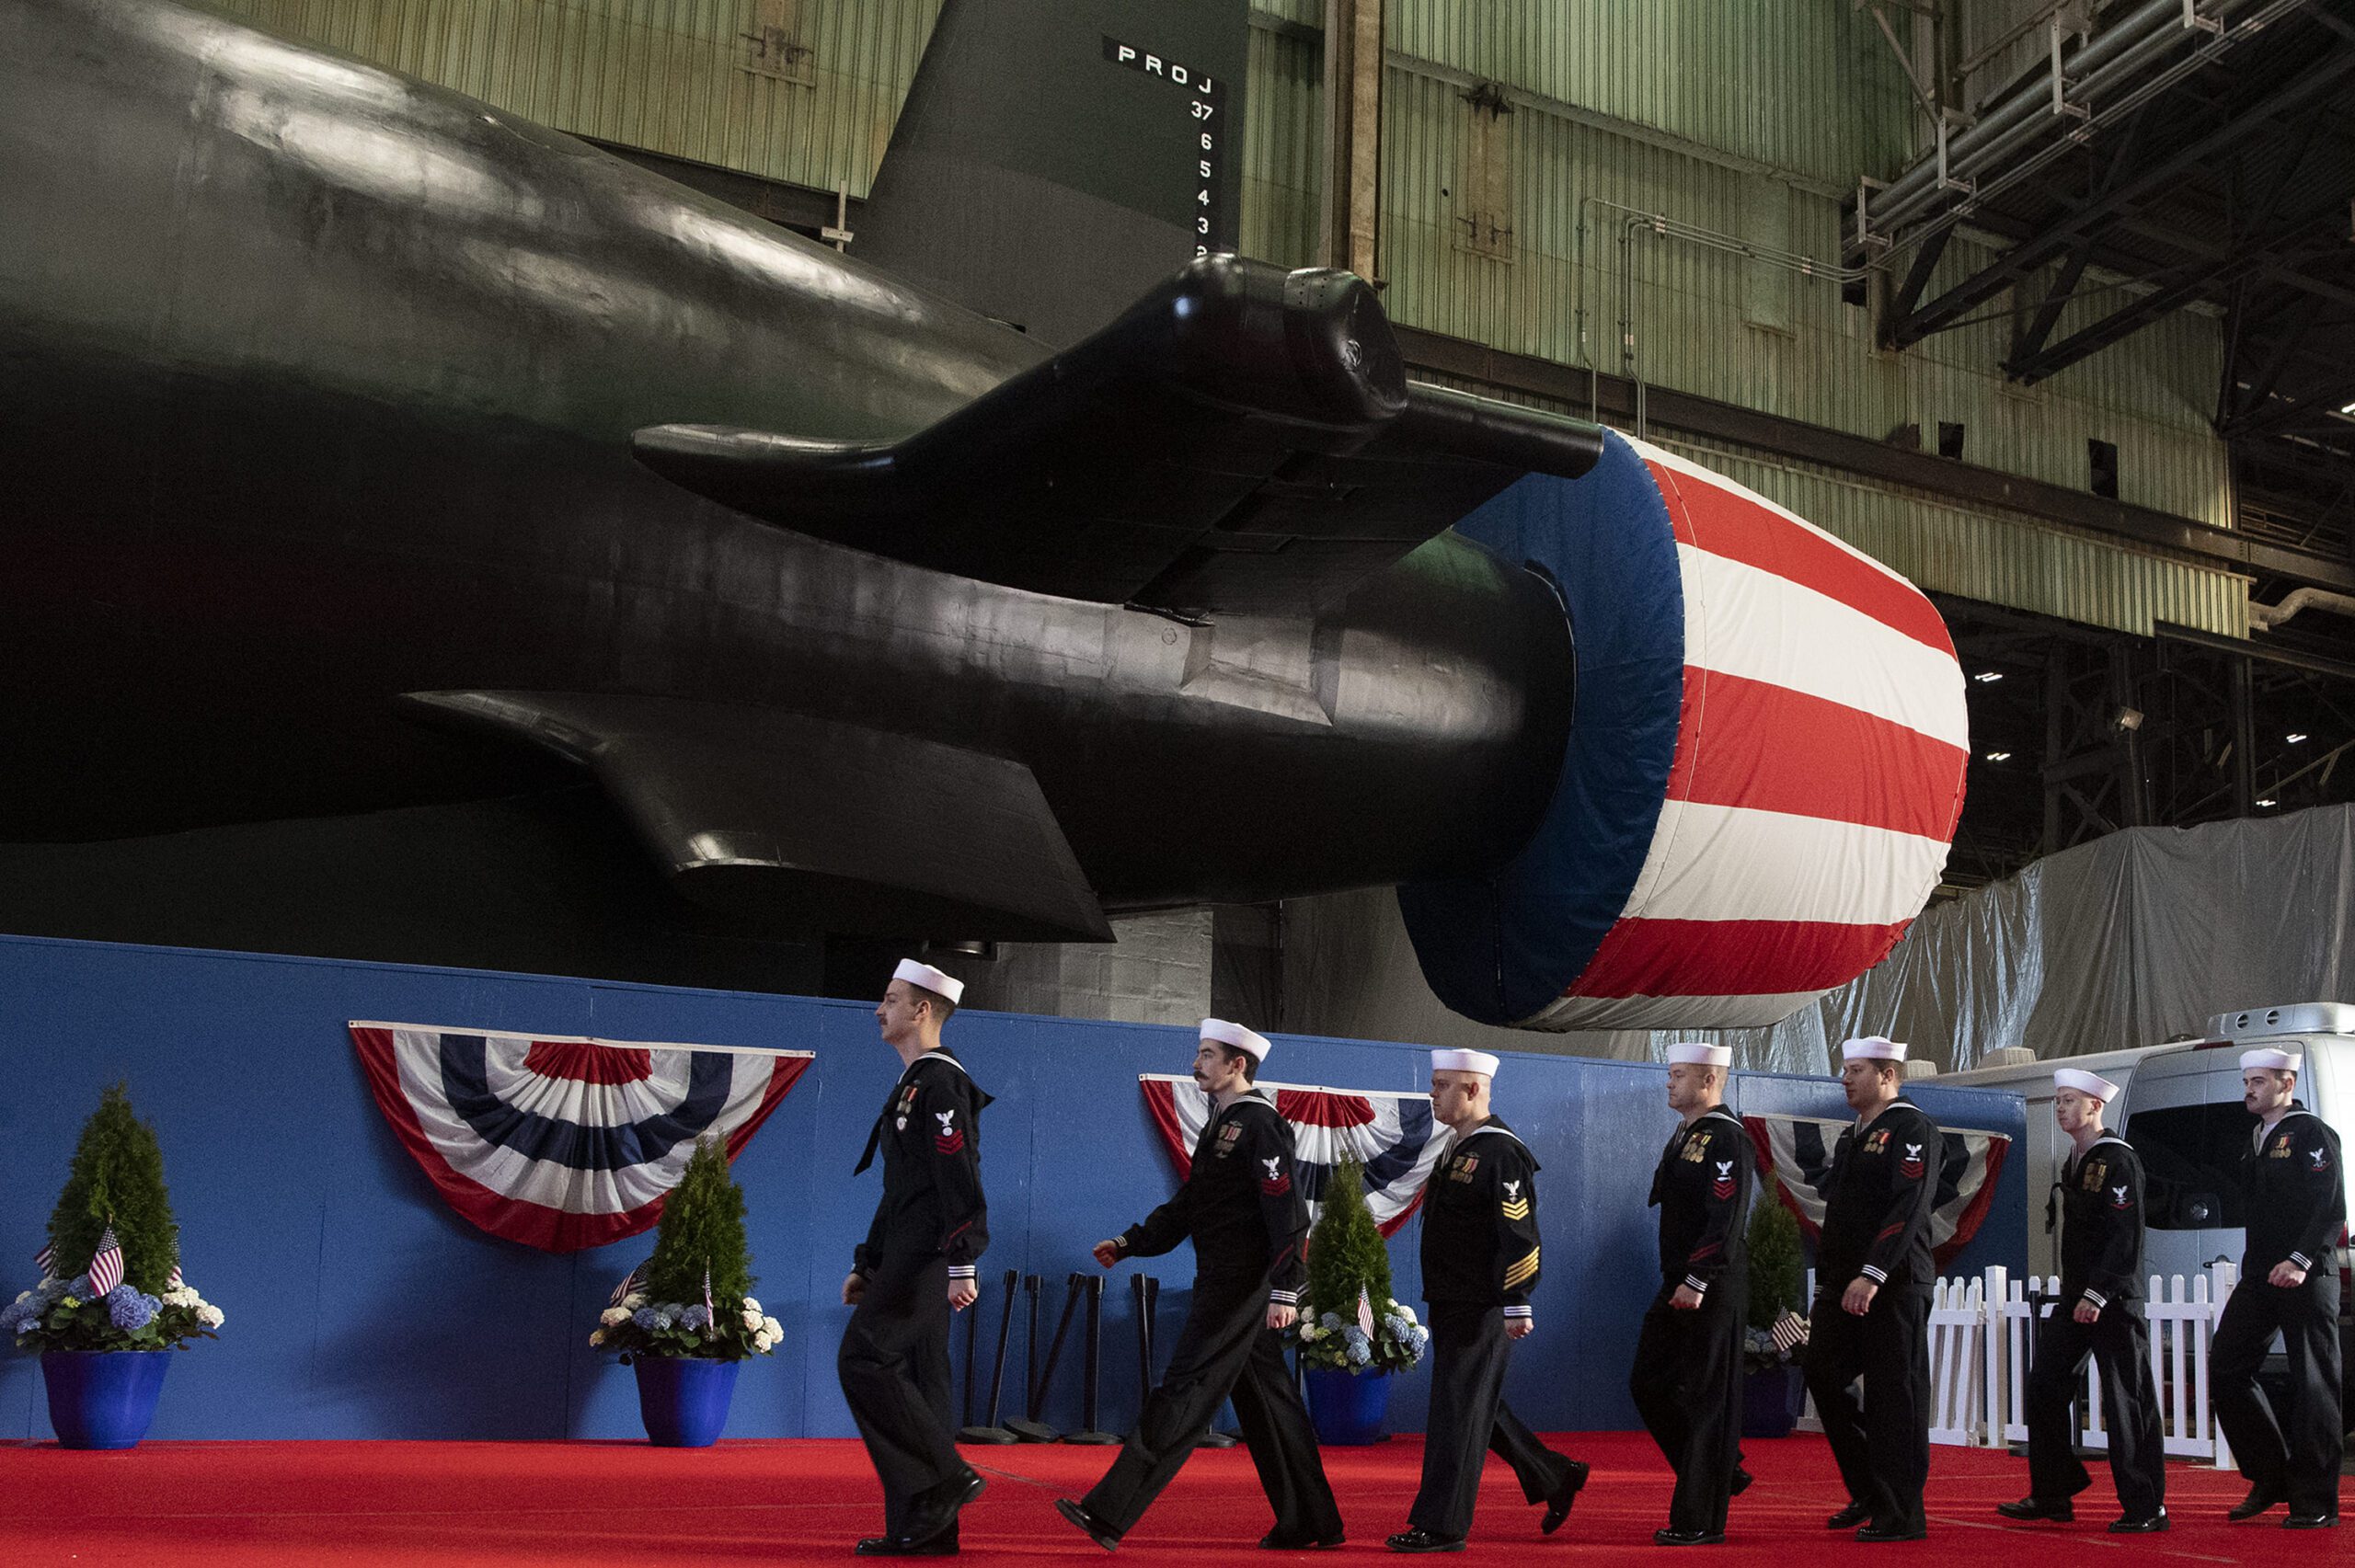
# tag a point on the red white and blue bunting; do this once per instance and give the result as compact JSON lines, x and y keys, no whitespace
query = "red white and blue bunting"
{"x":1392,"y":1136}
{"x":557,"y":1142}
{"x":1797,"y":1152}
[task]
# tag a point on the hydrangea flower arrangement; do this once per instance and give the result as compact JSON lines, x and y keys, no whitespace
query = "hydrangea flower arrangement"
{"x":114,"y":1187}
{"x":61,"y":1315}
{"x":1398,"y":1341}
{"x":693,"y":1298}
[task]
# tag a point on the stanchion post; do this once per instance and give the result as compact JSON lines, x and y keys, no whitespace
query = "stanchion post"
{"x":993,"y":1432}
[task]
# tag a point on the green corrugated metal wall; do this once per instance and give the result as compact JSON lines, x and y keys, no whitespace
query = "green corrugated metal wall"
{"x":668,"y":75}
{"x":1788,"y":97}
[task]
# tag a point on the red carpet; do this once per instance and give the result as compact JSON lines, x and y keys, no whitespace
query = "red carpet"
{"x":591,"y":1505}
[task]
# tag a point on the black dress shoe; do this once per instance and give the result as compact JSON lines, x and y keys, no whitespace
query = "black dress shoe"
{"x":1873,"y":1533}
{"x":2060,"y":1510}
{"x":2151,"y":1524}
{"x":1741,"y":1480}
{"x":1420,"y":1540}
{"x":1849,"y":1518}
{"x":1557,"y":1506}
{"x":2311,"y":1522}
{"x":1688,"y":1537}
{"x":2258,"y":1501}
{"x":1098,"y":1530}
{"x":1279,"y":1541}
{"x":942,"y":1545}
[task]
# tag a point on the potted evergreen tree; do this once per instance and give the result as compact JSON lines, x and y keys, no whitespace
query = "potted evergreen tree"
{"x":1771,"y":1389}
{"x":111,"y":1304}
{"x":1352,"y":1334}
{"x":686,"y":1317}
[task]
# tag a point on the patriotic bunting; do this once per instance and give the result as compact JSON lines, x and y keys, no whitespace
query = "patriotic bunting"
{"x":1796,"y":1151}
{"x":560,"y":1142}
{"x":1392,"y":1136}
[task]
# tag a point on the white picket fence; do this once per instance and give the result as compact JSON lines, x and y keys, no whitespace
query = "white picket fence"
{"x":1982,"y":1333}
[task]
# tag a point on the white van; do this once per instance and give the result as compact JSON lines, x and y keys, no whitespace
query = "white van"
{"x":2183,"y":1115}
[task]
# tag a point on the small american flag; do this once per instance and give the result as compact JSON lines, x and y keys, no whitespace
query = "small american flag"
{"x":1789,"y":1330}
{"x":173,"y":1282}
{"x":106,"y":1269}
{"x":45,"y":1260}
{"x":1365,"y":1312}
{"x":630,"y":1282}
{"x":710,"y":1318}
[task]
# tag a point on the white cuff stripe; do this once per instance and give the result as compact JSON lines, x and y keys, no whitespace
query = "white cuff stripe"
{"x":1520,"y":1312}
{"x":2097,"y":1297}
{"x":1700,"y":1287}
{"x":2299,"y":1259}
{"x":1876,"y":1276}
{"x":1284,"y":1298}
{"x":962,"y":1271}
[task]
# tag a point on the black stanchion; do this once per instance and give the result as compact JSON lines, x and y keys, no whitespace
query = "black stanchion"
{"x":1088,"y":1409}
{"x":993,"y":1432}
{"x":1032,"y":1428}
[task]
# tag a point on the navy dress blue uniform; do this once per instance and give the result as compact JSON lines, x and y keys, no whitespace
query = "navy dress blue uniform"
{"x":2295,"y":1196}
{"x":1249,"y":1224}
{"x":931,"y":1225}
{"x":2101,"y":1263}
{"x":1877,"y":1199}
{"x":1480,"y":1262}
{"x":1688,"y":1376}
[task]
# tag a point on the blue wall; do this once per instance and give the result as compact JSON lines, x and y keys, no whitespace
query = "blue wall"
{"x":360,"y":1306}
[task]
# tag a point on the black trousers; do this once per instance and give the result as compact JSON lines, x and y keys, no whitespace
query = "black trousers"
{"x":894,"y":1369}
{"x":2120,"y":1343}
{"x":1469,"y":1419}
{"x":1883,"y":1447}
{"x":2296,"y":1453}
{"x":1225,"y":1350}
{"x":1687,"y":1383}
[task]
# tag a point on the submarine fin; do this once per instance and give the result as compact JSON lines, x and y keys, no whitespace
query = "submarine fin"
{"x":1243,"y":440}
{"x":812,"y":823}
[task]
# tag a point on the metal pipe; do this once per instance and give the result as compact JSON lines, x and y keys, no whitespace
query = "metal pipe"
{"x":2266,"y":617}
{"x":2104,"y":63}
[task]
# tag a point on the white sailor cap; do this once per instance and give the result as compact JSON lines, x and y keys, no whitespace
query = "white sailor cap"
{"x":2281,"y":1061}
{"x":1235,"y":1035}
{"x":1463,"y":1061}
{"x":1700,"y":1053}
{"x":1873,"y":1048}
{"x":2084,"y":1083}
{"x":938,"y":982}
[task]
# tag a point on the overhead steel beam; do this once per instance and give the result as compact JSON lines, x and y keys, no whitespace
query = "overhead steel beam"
{"x":1613,"y":400}
{"x":1948,"y":308}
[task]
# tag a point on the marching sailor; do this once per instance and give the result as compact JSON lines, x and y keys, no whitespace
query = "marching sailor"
{"x":1688,"y":1377}
{"x":2295,"y":1196}
{"x":1248,"y":1224}
{"x":917,"y":1266}
{"x":2099,"y":1314}
{"x":1479,"y":1266}
{"x":1872,"y":1305}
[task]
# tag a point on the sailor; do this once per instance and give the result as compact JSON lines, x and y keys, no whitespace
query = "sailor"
{"x":2099,"y":1314}
{"x":1248,"y":1224}
{"x":917,"y":1266}
{"x":1479,"y":1266}
{"x":1688,"y":1377}
{"x":2293,"y":1194}
{"x":1872,"y":1304}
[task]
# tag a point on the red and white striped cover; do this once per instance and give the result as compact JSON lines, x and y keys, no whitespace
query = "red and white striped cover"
{"x":1817,"y":780}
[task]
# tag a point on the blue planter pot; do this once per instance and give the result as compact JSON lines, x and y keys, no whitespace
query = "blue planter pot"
{"x":1770,"y":1402}
{"x":103,"y":1398}
{"x":1348,"y":1408}
{"x":683,"y":1401}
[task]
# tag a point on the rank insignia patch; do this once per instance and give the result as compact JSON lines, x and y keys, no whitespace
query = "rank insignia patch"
{"x":1277,"y":1182}
{"x":1722,"y":1188}
{"x":2118,"y":1199}
{"x":2320,"y":1155}
{"x":950,"y":1138}
{"x":1911,"y":1166}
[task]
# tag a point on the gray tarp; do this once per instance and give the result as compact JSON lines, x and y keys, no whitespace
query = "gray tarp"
{"x":2122,"y":942}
